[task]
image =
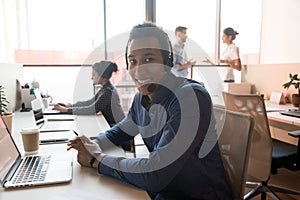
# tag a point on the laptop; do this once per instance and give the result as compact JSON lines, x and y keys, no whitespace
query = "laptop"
{"x":46,"y":111}
{"x":18,"y":171}
{"x":292,"y":113}
{"x":48,"y":126}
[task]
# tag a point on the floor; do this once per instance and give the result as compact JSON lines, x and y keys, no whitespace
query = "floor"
{"x":285,"y":179}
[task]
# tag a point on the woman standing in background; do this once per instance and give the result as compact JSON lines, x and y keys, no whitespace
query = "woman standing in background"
{"x":231,"y":55}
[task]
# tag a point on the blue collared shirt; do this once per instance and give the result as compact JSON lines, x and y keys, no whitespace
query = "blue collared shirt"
{"x":178,"y":127}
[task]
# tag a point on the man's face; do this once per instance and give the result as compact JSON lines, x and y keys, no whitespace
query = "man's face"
{"x":181,"y":36}
{"x":145,"y":63}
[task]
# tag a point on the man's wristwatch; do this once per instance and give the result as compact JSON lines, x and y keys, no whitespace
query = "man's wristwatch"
{"x":93,"y":159}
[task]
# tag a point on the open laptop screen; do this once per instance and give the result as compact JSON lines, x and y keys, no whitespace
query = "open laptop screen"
{"x":37,"y":111}
{"x":38,"y":116}
{"x":9,"y":152}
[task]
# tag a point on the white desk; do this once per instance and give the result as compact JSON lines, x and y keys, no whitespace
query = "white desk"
{"x":87,"y":183}
{"x":280,"y":124}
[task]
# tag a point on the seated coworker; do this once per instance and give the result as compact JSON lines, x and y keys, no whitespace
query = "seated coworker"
{"x":174,"y":116}
{"x":106,"y":100}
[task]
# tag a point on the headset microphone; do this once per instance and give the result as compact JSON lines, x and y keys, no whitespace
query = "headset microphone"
{"x":151,"y":87}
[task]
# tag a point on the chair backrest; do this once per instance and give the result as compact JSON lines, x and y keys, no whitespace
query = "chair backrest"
{"x":235,"y":133}
{"x":260,"y":161}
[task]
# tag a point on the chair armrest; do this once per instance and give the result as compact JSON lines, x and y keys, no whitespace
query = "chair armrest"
{"x":295,"y":134}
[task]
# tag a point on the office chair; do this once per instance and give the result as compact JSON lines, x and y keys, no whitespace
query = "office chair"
{"x":266,"y":154}
{"x":234,"y":149}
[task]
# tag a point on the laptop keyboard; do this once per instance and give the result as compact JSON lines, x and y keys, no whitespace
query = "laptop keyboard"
{"x":33,"y":169}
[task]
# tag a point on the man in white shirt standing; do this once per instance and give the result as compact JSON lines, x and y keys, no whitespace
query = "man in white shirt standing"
{"x":181,"y":62}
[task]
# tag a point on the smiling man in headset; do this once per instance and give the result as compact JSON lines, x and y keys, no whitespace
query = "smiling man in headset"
{"x":175,"y":118}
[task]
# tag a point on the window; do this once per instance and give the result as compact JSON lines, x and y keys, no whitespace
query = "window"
{"x":245,"y":17}
{"x":198,"y":16}
{"x":121,"y":16}
{"x":236,"y":14}
{"x":68,"y":32}
{"x":58,"y":31}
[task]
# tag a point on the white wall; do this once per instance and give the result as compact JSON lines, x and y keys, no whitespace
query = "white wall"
{"x":64,"y":84}
{"x":267,"y":78}
{"x":280,"y":39}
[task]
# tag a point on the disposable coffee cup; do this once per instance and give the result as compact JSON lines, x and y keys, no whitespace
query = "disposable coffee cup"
{"x":31,"y":139}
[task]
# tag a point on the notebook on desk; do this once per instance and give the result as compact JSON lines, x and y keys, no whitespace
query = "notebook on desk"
{"x":18,"y":171}
{"x":292,"y":113}
{"x":61,"y":117}
{"x":48,"y":126}
{"x":56,"y":137}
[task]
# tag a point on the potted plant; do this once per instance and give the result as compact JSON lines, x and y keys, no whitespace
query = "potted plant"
{"x":6,"y":116}
{"x":294,"y":80}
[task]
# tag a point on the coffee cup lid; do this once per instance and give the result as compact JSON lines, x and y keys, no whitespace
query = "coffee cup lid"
{"x":30,"y":129}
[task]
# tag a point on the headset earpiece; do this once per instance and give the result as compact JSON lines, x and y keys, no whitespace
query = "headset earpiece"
{"x":126,"y":55}
{"x":170,"y":60}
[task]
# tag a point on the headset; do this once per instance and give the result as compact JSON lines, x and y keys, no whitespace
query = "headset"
{"x":157,"y":33}
{"x":170,"y":59}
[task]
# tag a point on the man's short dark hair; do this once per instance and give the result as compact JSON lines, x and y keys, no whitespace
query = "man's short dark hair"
{"x":180,"y":29}
{"x":151,"y":30}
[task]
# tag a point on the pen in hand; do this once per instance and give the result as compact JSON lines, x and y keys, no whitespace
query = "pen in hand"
{"x":75,"y":133}
{"x":73,"y":141}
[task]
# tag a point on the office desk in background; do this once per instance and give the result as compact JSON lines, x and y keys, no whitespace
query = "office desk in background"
{"x":86,"y":183}
{"x":280,"y":124}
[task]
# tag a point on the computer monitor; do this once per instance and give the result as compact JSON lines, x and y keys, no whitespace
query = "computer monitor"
{"x":18,"y":102}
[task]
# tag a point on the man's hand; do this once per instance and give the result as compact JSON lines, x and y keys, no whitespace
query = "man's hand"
{"x":191,"y":62}
{"x":86,"y":149}
{"x":188,"y":64}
